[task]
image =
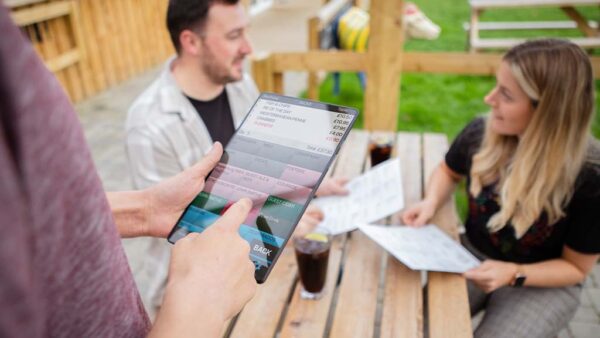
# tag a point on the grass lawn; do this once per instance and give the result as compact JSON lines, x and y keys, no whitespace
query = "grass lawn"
{"x":446,"y":103}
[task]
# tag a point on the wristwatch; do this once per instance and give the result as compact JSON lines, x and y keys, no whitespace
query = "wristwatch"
{"x":519,"y":278}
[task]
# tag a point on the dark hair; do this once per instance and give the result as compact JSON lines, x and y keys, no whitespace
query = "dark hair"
{"x":189,"y":14}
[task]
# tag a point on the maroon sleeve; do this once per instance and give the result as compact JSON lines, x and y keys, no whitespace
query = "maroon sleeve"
{"x":63,"y":271}
{"x":22,"y":315}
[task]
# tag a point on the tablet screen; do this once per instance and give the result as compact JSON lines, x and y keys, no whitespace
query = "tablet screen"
{"x":277,"y":158}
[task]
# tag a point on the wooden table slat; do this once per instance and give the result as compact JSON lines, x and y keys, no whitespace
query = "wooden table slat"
{"x":403,"y":299}
{"x":356,"y":306}
{"x":447,"y":293}
{"x":262,"y":314}
{"x":308,"y":318}
{"x":361,"y":272}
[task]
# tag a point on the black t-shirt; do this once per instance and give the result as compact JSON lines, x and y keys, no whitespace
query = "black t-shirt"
{"x":216,"y":115}
{"x":579,"y":229}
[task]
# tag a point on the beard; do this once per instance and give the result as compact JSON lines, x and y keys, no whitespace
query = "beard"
{"x":216,"y":70}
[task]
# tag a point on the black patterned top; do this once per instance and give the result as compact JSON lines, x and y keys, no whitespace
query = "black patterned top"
{"x":579,"y":229}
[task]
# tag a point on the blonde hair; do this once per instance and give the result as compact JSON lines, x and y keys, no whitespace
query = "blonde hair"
{"x":535,"y":174}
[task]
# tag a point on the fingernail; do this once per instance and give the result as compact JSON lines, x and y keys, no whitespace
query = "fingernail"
{"x":246,"y":202}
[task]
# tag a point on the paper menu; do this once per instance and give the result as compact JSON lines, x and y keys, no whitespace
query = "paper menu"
{"x":374,"y":195}
{"x":424,"y":248}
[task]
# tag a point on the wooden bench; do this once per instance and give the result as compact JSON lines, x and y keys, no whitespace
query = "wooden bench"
{"x":376,"y":295}
{"x":591,"y":37}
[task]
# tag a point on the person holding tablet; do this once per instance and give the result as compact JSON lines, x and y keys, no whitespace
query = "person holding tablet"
{"x":532,"y":169}
{"x":63,"y":270}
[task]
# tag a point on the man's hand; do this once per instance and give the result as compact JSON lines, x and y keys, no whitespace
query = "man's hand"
{"x":492,"y":275}
{"x":211,"y":278}
{"x":419,"y":214}
{"x":166,"y":201}
{"x":332,"y":186}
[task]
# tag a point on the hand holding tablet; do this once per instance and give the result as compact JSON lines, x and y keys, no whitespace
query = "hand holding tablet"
{"x":277,"y":158}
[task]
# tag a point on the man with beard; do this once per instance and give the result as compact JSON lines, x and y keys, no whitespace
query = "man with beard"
{"x":200,"y":97}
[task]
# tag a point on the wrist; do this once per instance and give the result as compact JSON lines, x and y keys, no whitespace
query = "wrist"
{"x":186,"y":313}
{"x":518,"y":277}
{"x":128,"y":209}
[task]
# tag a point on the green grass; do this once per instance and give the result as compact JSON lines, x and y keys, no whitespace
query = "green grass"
{"x":446,"y":103}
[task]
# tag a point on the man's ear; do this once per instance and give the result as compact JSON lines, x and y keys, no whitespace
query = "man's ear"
{"x":190,"y":42}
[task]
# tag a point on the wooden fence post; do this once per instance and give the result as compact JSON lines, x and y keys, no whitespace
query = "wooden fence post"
{"x":384,"y":65}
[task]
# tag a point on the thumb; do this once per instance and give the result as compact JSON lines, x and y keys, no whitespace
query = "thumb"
{"x":235,"y":215}
{"x":208,"y":162}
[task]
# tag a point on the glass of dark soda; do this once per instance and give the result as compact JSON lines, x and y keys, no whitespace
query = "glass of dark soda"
{"x":380,"y":147}
{"x":312,"y":255}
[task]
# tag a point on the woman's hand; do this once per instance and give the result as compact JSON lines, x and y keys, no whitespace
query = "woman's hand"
{"x":309,"y":221}
{"x":492,"y":275}
{"x":417,"y":215}
{"x":333,"y":186}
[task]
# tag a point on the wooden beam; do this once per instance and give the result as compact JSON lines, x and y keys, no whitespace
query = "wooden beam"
{"x":451,"y":63}
{"x":319,"y":60}
{"x":42,"y":12}
{"x":384,"y":65}
{"x":63,"y":61}
{"x":530,"y":3}
{"x":17,"y":3}
{"x":446,"y":292}
{"x":459,"y":63}
{"x":582,"y":23}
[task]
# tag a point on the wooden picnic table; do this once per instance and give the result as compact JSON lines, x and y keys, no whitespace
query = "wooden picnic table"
{"x":590,"y":31}
{"x":368,"y":292}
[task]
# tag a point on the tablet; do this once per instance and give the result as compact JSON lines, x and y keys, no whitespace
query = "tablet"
{"x":277,"y":158}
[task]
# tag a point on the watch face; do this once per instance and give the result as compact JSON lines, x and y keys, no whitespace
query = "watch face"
{"x":519,"y":281}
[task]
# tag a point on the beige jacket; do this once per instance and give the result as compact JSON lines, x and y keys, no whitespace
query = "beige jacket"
{"x":165,"y":134}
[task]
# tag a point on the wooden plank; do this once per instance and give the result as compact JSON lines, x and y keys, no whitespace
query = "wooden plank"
{"x":93,"y":60}
{"x":83,"y":66}
{"x":17,"y":3}
{"x":582,"y":23}
{"x":451,"y":63}
{"x":262,"y":72}
{"x":313,"y":44}
{"x":360,"y":280}
{"x":261,"y":315}
{"x":135,"y":33}
{"x":508,"y":43}
{"x":403,"y":300}
{"x":474,"y":32}
{"x":41,"y":12}
{"x":49,"y":51}
{"x":114,"y":40}
{"x":525,"y":25}
{"x":358,"y":289}
{"x":124,"y":36}
{"x":56,"y":64}
{"x":64,"y":44}
{"x":319,"y":60}
{"x":384,"y":61}
{"x":103,"y":39}
{"x":530,"y":3}
{"x":309,"y":318}
{"x":448,"y":304}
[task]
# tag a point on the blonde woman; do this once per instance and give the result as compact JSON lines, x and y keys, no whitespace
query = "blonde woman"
{"x":533,"y":179}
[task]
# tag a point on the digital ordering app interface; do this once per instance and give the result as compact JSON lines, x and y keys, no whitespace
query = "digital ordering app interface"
{"x":277,"y":157}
